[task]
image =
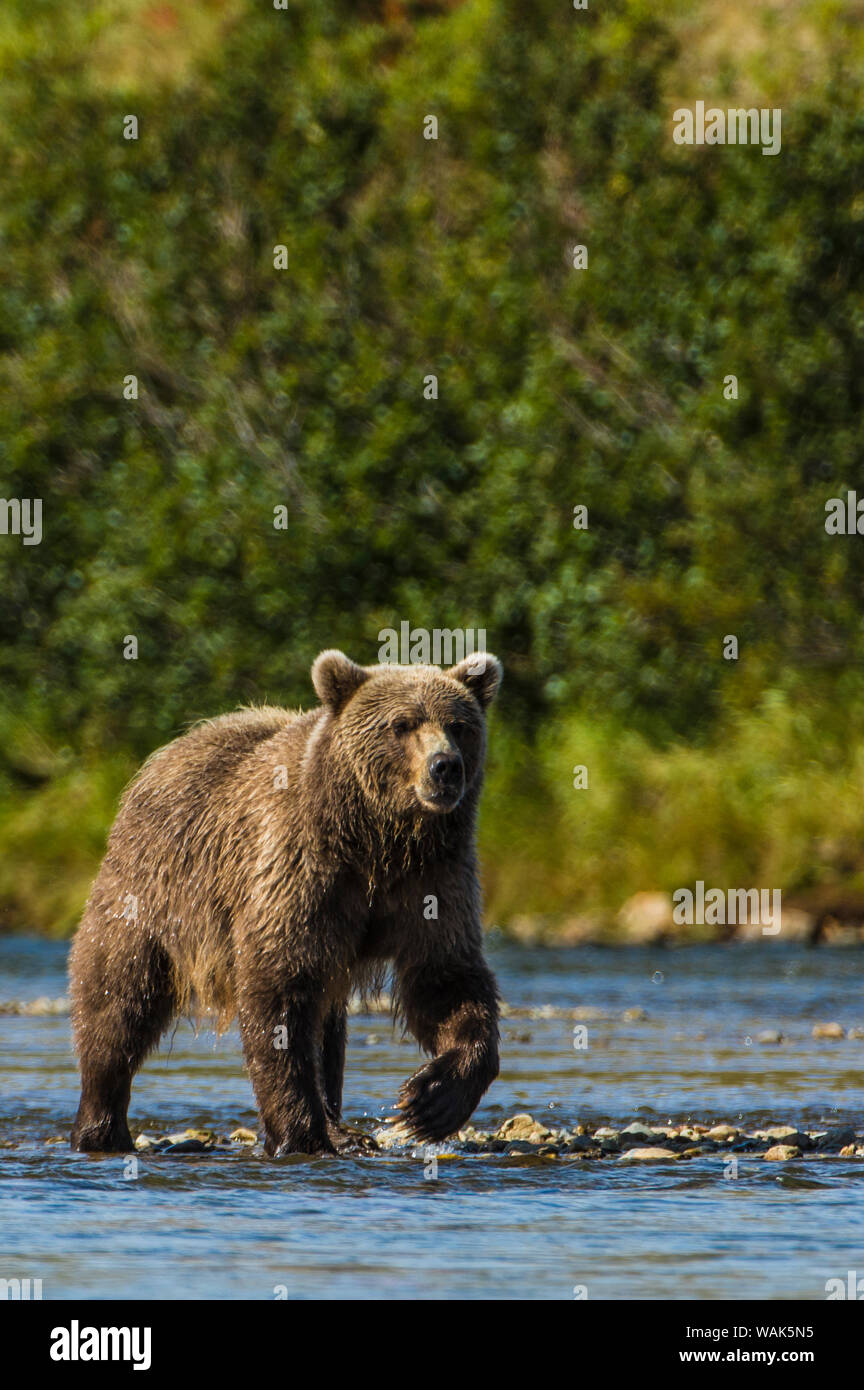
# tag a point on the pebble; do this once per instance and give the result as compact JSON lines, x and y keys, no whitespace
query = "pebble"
{"x":524,"y":1127}
{"x":579,"y":1143}
{"x":833,"y":1140}
{"x":43,"y":1007}
{"x":190,"y":1141}
{"x":652,"y":1155}
{"x":524,"y":1136}
{"x":784,"y":1134}
{"x":585,"y":1013}
{"x":375,"y":1004}
{"x":828,"y":1030}
{"x":146,"y":1143}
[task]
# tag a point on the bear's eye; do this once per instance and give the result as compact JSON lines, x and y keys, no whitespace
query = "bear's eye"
{"x":401,"y":726}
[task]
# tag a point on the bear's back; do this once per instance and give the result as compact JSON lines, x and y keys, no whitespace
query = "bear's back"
{"x":189,"y":794}
{"x":214,"y":747}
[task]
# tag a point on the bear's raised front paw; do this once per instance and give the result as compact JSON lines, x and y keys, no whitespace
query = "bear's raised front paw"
{"x":437,"y":1100}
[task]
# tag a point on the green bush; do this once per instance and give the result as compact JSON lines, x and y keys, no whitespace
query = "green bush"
{"x":303,"y":388}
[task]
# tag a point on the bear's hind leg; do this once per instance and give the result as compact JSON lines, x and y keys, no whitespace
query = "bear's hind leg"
{"x":121,"y":1006}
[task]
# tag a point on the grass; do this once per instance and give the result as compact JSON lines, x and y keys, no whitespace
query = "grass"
{"x":773,"y":801}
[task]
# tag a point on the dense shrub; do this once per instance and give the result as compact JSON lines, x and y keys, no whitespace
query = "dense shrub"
{"x":303,"y":387}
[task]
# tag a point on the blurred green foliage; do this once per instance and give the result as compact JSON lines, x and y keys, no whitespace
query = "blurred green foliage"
{"x":303,"y":388}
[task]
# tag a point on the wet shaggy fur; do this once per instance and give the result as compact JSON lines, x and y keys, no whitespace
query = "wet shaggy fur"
{"x":267,"y":863}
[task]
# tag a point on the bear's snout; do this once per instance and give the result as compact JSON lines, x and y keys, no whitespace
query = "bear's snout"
{"x":444,"y":779}
{"x":445,"y":770}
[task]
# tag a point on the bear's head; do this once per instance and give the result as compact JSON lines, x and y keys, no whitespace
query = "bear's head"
{"x":414,"y":736}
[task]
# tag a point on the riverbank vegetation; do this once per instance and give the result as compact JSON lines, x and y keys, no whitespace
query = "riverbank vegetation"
{"x":302,"y":388}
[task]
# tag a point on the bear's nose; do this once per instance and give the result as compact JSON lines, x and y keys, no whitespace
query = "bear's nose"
{"x":445,"y":769}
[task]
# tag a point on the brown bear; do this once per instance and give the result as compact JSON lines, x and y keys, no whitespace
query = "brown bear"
{"x":267,"y":863}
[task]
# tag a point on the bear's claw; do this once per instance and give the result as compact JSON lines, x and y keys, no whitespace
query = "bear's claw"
{"x":436,"y":1101}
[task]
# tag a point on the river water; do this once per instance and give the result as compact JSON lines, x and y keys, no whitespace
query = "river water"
{"x":235,"y":1224}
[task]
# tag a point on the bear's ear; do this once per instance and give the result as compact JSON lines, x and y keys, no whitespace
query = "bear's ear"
{"x":335,"y":678}
{"x":481,"y":674}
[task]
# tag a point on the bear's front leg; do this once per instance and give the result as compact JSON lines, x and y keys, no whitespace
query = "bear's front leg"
{"x":344,"y":1138}
{"x":452,"y":1010}
{"x":281,"y":1023}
